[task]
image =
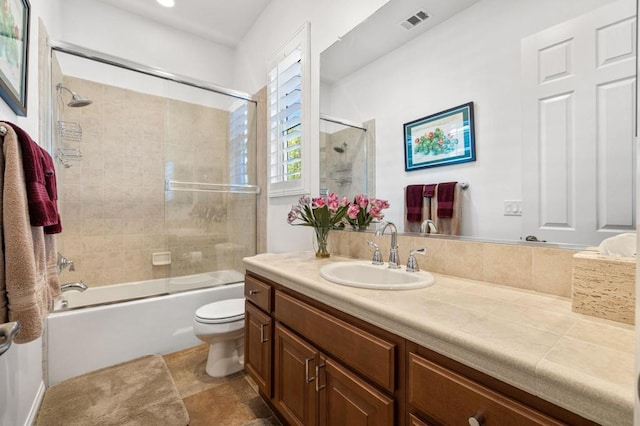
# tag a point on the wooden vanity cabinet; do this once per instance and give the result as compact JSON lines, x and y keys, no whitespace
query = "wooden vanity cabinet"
{"x":258,"y":336}
{"x":325,"y":370}
{"x":319,"y":366}
{"x":310,"y":386}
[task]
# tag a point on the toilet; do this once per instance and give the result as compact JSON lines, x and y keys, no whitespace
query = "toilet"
{"x":221,"y":324}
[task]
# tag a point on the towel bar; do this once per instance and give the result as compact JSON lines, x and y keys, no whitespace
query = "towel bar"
{"x":463,"y":185}
{"x":3,"y":130}
{"x":7,"y":332}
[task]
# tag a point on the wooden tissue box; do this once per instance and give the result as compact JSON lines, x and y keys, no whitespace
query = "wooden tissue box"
{"x":604,"y":286}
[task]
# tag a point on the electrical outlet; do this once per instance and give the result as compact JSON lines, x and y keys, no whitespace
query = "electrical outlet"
{"x":513,"y":207}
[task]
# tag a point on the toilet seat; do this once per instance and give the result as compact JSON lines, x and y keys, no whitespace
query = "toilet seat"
{"x":223,"y":311}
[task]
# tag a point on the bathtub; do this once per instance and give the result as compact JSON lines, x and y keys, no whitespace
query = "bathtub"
{"x":105,"y":333}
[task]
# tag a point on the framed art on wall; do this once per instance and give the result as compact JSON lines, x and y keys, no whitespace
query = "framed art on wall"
{"x":14,"y":51}
{"x":440,"y":139}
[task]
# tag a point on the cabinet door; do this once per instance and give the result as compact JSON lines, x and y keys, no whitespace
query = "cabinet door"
{"x":295,"y":365}
{"x":258,"y":344}
{"x":345,"y":399}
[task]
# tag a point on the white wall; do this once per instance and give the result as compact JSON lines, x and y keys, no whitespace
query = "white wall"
{"x":329,"y":19}
{"x":102,"y":27}
{"x":21,"y":377}
{"x":474,"y":56}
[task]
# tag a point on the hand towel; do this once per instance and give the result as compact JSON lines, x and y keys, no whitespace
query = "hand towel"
{"x":446,"y":193}
{"x":43,"y":210}
{"x":430,"y":190}
{"x":52,"y":190}
{"x":413,"y":202}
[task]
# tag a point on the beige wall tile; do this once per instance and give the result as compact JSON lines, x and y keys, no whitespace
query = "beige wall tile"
{"x":552,"y":271}
{"x":113,"y":201}
{"x":508,"y":264}
{"x":464,"y":259}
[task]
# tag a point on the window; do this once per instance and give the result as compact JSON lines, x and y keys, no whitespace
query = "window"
{"x":239,"y":147}
{"x":288,"y":79}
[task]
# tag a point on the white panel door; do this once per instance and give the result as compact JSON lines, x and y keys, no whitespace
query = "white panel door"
{"x":578,"y":95}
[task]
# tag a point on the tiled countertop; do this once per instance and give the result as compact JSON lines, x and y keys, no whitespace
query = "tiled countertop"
{"x":532,"y":341}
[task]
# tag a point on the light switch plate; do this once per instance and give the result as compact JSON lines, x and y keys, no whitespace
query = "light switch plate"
{"x":513,"y":207}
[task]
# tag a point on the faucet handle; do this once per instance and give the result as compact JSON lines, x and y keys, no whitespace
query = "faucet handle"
{"x":377,"y":257}
{"x":412,"y":262}
{"x":64,"y":263}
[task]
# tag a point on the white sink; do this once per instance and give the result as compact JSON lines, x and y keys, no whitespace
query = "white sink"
{"x":364,"y":274}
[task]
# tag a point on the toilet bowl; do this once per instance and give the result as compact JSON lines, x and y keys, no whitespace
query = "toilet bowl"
{"x":221,"y":324}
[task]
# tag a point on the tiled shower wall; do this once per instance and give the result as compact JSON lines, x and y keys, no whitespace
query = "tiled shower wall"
{"x":113,"y":200}
{"x":345,"y":172}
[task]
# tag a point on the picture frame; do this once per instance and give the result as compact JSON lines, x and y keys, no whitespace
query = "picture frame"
{"x":14,"y":53}
{"x":440,"y":139}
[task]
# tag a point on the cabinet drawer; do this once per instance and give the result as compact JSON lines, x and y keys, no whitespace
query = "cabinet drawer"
{"x":450,"y":398}
{"x":258,"y":293}
{"x":371,"y":356}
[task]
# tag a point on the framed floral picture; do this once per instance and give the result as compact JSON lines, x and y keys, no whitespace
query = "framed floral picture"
{"x":440,"y":139}
{"x":14,"y":51}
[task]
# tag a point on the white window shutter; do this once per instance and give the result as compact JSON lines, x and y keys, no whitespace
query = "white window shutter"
{"x":288,"y":117}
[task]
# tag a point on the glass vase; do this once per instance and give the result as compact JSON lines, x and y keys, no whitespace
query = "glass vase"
{"x":321,"y":241}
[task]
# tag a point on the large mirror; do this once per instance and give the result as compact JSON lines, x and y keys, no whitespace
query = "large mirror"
{"x":553,"y":88}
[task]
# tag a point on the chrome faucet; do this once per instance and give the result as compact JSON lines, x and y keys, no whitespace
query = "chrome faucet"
{"x":77,"y":286}
{"x":393,"y":251}
{"x":412,"y":262}
{"x":377,"y":258}
{"x":64,"y":263}
{"x":431,"y":224}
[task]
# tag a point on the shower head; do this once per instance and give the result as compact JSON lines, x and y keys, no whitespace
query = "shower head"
{"x":76,"y":100}
{"x":340,"y":149}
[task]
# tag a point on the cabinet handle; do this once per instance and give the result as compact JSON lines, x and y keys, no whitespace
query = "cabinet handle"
{"x":262,"y":339}
{"x":476,"y":420}
{"x":253,"y":292}
{"x":318,"y":387}
{"x":308,"y":379}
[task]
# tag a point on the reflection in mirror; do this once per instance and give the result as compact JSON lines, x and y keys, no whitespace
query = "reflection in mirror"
{"x":346,"y":150}
{"x":478,"y":53}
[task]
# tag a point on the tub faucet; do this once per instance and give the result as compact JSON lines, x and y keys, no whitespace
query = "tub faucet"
{"x":393,"y":251}
{"x":77,"y":286}
{"x":430,"y":224}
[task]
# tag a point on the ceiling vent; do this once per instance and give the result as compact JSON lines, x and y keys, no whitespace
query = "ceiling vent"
{"x":414,"y":20}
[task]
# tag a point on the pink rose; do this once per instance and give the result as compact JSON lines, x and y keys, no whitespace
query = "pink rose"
{"x":318,"y":202}
{"x":362,"y":200}
{"x":353,"y":211}
{"x":292,"y":216}
{"x":304,"y":200}
{"x":382,"y":204}
{"x":345,"y":201}
{"x":375,"y":212}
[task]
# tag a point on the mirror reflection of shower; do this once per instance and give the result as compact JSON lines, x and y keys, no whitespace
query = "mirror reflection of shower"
{"x":346,"y":157}
{"x":69,"y":133}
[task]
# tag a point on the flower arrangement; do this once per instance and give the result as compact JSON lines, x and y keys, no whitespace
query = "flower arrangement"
{"x":323,"y":214}
{"x":363,"y":211}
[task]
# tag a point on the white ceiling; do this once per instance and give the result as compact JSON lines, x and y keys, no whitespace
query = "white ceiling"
{"x":221,"y":21}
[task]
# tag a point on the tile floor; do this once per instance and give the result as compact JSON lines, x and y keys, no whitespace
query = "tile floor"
{"x":228,"y":401}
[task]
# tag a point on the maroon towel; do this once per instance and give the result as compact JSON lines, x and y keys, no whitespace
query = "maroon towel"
{"x":39,"y":176}
{"x":413,"y":200}
{"x":446,"y":192}
{"x":430,"y":190}
{"x":52,"y":190}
